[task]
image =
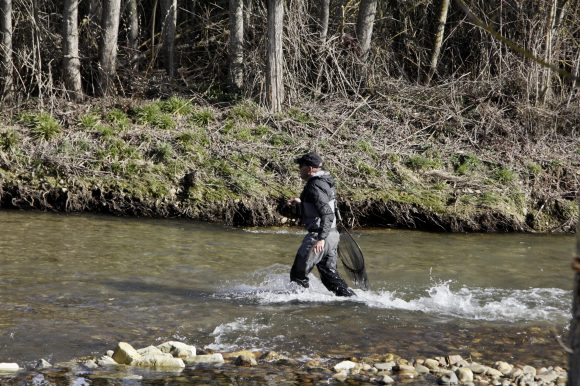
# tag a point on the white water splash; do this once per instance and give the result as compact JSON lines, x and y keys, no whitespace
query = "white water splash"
{"x":236,"y":328}
{"x":272,"y":286}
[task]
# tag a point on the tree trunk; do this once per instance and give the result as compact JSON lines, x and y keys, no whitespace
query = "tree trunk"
{"x":169,"y":23}
{"x":108,"y":47}
{"x":133,"y":33}
{"x":438,"y":39}
{"x":6,"y":64}
{"x":274,"y":74}
{"x":323,"y":20}
{"x":72,"y":62}
{"x":548,"y":52}
{"x":236,"y":44}
{"x":248,"y":9}
{"x":574,"y":357}
{"x":364,"y":25}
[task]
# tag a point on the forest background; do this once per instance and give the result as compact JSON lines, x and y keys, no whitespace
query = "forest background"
{"x":438,"y":115}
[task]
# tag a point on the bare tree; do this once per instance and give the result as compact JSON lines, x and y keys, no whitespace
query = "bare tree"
{"x":169,"y":17}
{"x":323,"y":17}
{"x":364,"y":25}
{"x":236,"y":49}
{"x":133,"y":32}
{"x":438,"y":38}
{"x":72,"y":63}
{"x":108,"y":46}
{"x":274,"y":73}
{"x":6,"y":64}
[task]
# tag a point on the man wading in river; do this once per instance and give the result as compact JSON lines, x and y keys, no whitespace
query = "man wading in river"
{"x":320,"y":246}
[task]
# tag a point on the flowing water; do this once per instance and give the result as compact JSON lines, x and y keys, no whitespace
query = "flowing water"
{"x":73,"y":285}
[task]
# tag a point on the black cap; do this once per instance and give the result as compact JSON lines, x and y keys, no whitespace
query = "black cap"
{"x":309,"y":159}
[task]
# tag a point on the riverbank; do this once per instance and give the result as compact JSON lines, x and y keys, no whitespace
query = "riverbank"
{"x":178,"y":362}
{"x":419,"y":158}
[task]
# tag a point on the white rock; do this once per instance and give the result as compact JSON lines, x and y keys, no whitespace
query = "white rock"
{"x":503,"y":367}
{"x":547,"y":377}
{"x":158,"y":361}
{"x":178,"y":349}
{"x":125,"y":354}
{"x":529,"y":370}
{"x":449,"y":379}
{"x":110,"y":353}
{"x":106,"y":360}
{"x":477,"y":368}
{"x":420,"y":369}
{"x":341,"y":376}
{"x":385,"y":366}
{"x":454,"y":359}
{"x":90,"y":364}
{"x":385,"y":380}
{"x":344,"y":365}
{"x":210,"y":358}
{"x":149,"y":350}
{"x":493,"y":372}
{"x":42,"y":364}
{"x":516,"y":372}
{"x":464,"y":374}
{"x":432,"y":364}
{"x":9,"y":367}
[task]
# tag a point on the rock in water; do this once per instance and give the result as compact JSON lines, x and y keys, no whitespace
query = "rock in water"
{"x":9,"y":367}
{"x":125,"y":354}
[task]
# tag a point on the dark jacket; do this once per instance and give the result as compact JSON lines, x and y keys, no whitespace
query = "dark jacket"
{"x":318,"y":204}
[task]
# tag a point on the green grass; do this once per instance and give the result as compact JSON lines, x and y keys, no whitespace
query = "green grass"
{"x":177,"y":106}
{"x":419,"y":162}
{"x":503,"y":175}
{"x":464,"y":163}
{"x":119,"y":119}
{"x":246,"y":111}
{"x":89,"y":121}
{"x":152,"y":114}
{"x":533,"y":168}
{"x":9,"y":140}
{"x":43,"y":125}
{"x":202,"y":117}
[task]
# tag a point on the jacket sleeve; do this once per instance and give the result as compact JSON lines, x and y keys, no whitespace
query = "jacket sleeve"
{"x":322,"y":198}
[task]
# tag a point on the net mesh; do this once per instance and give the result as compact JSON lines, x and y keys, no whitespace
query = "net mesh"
{"x":352,"y":259}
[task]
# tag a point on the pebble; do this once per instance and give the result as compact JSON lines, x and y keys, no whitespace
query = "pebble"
{"x":385,"y":366}
{"x":344,"y":366}
{"x":464,"y":374}
{"x":42,"y":364}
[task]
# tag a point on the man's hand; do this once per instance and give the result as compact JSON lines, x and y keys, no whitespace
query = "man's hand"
{"x":318,"y":247}
{"x":294,"y":201}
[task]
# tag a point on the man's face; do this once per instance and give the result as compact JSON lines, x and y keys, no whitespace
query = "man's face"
{"x":305,"y":171}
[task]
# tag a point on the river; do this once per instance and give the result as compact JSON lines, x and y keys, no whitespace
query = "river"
{"x":74,"y":285}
